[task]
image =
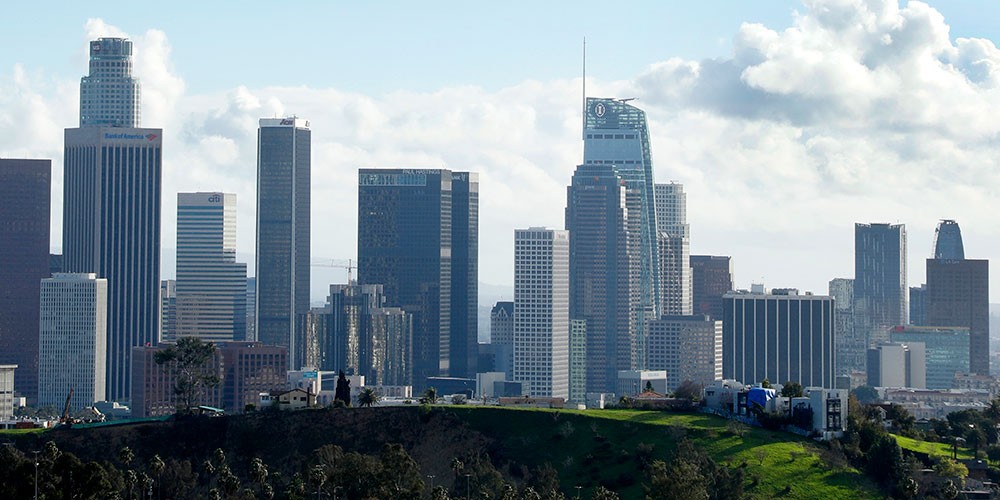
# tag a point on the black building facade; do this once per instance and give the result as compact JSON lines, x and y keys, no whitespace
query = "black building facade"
{"x":418,"y":238}
{"x":603,"y":217}
{"x":24,"y":261}
{"x":283,"y":238}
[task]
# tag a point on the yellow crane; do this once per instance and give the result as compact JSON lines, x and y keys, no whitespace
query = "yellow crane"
{"x":348,"y":264}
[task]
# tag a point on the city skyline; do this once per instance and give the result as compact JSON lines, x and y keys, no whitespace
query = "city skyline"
{"x":822,"y":162}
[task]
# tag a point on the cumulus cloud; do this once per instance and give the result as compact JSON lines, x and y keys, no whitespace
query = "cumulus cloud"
{"x":860,"y":111}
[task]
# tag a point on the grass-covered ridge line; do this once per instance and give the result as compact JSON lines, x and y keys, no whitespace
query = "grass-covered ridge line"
{"x":592,"y":447}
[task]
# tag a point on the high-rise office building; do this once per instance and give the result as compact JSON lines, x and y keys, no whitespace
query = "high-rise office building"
{"x":947,"y":351}
{"x":168,"y":310}
{"x":211,"y":285}
{"x":603,"y":217}
{"x":251,"y":309}
{"x":880,"y":292}
{"x":948,"y":241}
{"x":349,"y":344}
{"x":616,"y":134}
{"x":780,"y":336}
{"x":918,"y":305}
{"x":112,"y":177}
{"x":673,"y":244}
{"x":283,"y":208}
{"x":851,"y":344}
{"x":110,"y":95}
{"x":958,"y":295}
{"x":72,"y":340}
{"x":687,"y":348}
{"x":578,"y":361}
{"x":111,"y":227}
{"x":711,"y":278}
{"x":412,"y":226}
{"x":502,"y":336}
{"x":464,"y":348}
{"x":25,"y":187}
{"x":541,"y":311}
{"x":392,"y":351}
{"x":7,"y":391}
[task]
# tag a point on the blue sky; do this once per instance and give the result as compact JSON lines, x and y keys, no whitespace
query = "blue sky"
{"x":784,"y":132}
{"x":383,"y":46}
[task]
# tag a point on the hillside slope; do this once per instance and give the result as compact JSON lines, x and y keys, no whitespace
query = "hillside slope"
{"x":584,"y":448}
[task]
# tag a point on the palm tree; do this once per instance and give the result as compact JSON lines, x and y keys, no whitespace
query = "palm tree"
{"x":368,"y":397}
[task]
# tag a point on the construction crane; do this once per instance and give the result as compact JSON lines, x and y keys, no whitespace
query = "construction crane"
{"x":65,"y":414}
{"x":349,"y":264}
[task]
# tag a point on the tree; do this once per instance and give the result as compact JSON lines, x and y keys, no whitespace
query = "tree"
{"x":900,"y":418}
{"x":766,"y":384}
{"x":649,"y":386}
{"x":792,"y":390}
{"x":866,"y":394}
{"x":368,"y":397}
{"x":156,"y":466}
{"x":602,"y":493}
{"x":189,"y":362}
{"x":343,"y":392}
{"x":678,"y":479}
{"x":946,"y":467}
{"x":429,"y":397}
{"x":688,"y":390}
{"x":976,"y":439}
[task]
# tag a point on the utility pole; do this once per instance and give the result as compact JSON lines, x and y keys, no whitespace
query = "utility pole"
{"x":36,"y":474}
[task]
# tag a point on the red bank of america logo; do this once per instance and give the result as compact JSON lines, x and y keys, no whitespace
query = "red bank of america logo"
{"x":151,"y":136}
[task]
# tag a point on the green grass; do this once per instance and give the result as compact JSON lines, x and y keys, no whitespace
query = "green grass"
{"x":14,"y":432}
{"x":591,"y":447}
{"x":931,"y":449}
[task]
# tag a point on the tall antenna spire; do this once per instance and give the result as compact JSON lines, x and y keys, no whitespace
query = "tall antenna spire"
{"x":583,"y":130}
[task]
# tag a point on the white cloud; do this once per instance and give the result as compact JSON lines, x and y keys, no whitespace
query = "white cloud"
{"x":860,"y":111}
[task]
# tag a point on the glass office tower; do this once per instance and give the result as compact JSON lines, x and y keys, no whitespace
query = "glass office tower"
{"x":616,"y":133}
{"x":283,"y":201}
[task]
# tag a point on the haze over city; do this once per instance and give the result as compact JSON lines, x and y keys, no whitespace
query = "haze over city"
{"x":786,"y":123}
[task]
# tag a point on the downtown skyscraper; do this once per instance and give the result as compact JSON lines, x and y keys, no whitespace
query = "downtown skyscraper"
{"x":616,"y":134}
{"x":412,"y":227}
{"x":25,"y":187}
{"x":210,"y":292}
{"x":880,"y":292}
{"x":604,"y":221}
{"x":673,"y":239}
{"x":111,"y":205}
{"x":283,"y":204}
{"x":541,"y":311}
{"x":958,"y":293}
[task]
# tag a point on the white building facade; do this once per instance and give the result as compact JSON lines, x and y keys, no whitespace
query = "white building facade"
{"x":211,"y":285}
{"x":72,"y":340}
{"x":7,"y":391}
{"x":673,"y":245}
{"x":541,"y":311}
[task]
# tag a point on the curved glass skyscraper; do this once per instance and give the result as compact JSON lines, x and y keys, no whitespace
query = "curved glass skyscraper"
{"x":616,"y":133}
{"x":948,"y":241}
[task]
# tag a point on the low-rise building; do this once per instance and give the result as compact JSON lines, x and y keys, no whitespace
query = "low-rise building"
{"x":632,"y":382}
{"x":927,"y":404}
{"x":244,"y":369}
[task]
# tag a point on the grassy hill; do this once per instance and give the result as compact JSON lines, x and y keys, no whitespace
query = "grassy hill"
{"x":586,"y":448}
{"x":599,"y":447}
